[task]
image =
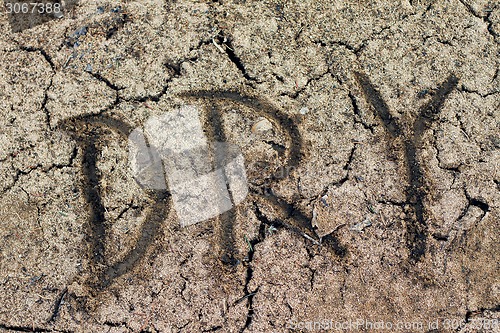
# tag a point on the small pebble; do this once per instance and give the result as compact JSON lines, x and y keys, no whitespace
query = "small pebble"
{"x":79,"y":32}
{"x":323,"y":200}
{"x":361,"y":225}
{"x":314,"y":219}
{"x":262,"y":125}
{"x":304,"y":110}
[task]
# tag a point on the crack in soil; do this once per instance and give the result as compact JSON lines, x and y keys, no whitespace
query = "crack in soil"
{"x":44,"y":103}
{"x":118,"y":325}
{"x":481,"y":311}
{"x":176,"y":69}
{"x":31,"y":329}
{"x":57,"y":305}
{"x":475,"y":202}
{"x":296,"y":94}
{"x":108,"y":83}
{"x":358,"y":118}
{"x":46,"y":56}
{"x":229,"y":49}
{"x":48,"y":59}
{"x":356,"y":50}
{"x":128,"y":207}
{"x":462,"y":88}
{"x":471,"y":313}
{"x":486,"y":18}
{"x":249,"y":295}
{"x":39,"y":166}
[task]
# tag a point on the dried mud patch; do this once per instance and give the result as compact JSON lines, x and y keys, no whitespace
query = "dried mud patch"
{"x":370,"y":134}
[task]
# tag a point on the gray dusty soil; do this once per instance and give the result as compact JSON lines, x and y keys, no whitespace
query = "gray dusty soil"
{"x":371,"y":138}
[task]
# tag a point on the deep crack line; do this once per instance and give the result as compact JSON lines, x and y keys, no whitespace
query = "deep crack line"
{"x":45,"y":55}
{"x":486,"y":18}
{"x":104,"y":80}
{"x":357,"y":113}
{"x":57,"y":306}
{"x":176,"y":70}
{"x":249,"y":295}
{"x":25,"y":328}
{"x":229,"y":50}
{"x":48,"y":59}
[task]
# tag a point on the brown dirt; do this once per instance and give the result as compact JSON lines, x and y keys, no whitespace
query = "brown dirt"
{"x":375,"y":196}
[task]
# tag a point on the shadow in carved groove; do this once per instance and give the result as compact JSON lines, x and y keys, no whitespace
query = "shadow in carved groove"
{"x":416,"y":228}
{"x":87,"y":131}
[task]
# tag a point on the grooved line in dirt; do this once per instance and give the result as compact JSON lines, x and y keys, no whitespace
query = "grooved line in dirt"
{"x":87,"y":134}
{"x":416,"y":228}
{"x":88,"y":129}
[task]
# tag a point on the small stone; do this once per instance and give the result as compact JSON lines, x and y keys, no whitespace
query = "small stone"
{"x":314,"y":219}
{"x":323,"y":200}
{"x":79,"y":32}
{"x":262,"y":125}
{"x":304,"y":110}
{"x":361,"y":225}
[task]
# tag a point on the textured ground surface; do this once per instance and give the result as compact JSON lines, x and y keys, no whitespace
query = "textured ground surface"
{"x":372,"y":128}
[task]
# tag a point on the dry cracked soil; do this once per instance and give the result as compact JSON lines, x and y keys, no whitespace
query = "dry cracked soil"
{"x":370,"y":132}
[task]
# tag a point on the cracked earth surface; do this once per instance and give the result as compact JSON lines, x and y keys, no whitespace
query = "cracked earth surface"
{"x":375,"y":195}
